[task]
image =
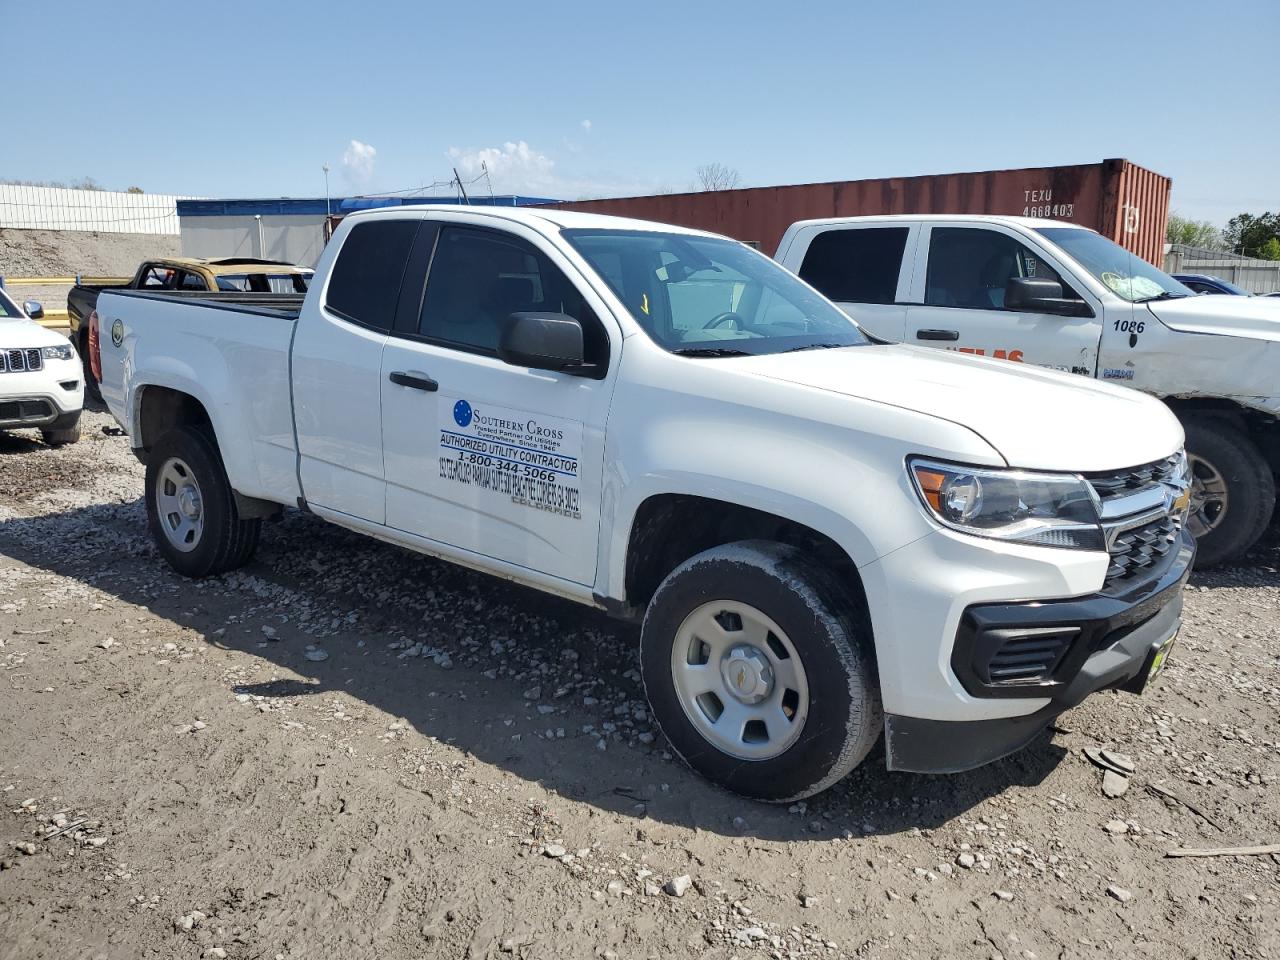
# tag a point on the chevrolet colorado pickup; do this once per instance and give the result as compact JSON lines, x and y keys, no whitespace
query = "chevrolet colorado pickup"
{"x":189,"y":275}
{"x":40,"y":385}
{"x":826,"y":539}
{"x":1060,"y":295}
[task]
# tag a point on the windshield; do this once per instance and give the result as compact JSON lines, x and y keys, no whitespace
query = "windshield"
{"x":710,"y":296}
{"x":8,"y":309}
{"x":1125,"y":274}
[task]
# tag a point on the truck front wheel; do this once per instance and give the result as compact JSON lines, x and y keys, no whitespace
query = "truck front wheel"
{"x":759,"y":671}
{"x":1233,"y":492}
{"x":191,"y":508}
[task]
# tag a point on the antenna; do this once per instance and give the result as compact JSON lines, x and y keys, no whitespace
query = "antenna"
{"x":461,"y":189}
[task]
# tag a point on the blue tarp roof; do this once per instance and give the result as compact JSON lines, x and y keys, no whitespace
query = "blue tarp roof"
{"x":288,"y":206}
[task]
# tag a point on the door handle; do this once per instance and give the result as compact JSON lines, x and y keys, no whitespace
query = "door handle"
{"x":418,"y":381}
{"x":938,"y":334}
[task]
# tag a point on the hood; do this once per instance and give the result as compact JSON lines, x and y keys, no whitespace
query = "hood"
{"x":1036,"y":419}
{"x":21,"y":332}
{"x":1257,"y":318}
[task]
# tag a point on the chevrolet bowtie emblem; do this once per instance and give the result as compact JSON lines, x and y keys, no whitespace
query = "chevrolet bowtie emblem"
{"x":1183,"y":500}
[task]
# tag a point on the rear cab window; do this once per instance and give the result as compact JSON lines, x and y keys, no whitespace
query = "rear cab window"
{"x":858,"y":265}
{"x":364,"y":285}
{"x":159,"y":277}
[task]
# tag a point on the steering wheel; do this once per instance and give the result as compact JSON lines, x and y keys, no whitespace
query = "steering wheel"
{"x":730,"y":319}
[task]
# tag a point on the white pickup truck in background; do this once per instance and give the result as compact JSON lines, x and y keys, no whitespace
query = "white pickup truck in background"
{"x":1061,"y":296}
{"x":827,"y":539}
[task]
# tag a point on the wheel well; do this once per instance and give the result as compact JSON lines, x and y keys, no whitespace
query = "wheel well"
{"x":1262,"y":429}
{"x":1208,"y":407}
{"x":670,"y":528}
{"x":162,"y":409}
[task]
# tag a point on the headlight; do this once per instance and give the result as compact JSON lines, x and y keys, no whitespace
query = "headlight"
{"x":60,"y":352}
{"x":1046,"y":509}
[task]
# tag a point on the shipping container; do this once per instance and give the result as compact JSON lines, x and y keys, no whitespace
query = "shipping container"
{"x":1119,"y":199}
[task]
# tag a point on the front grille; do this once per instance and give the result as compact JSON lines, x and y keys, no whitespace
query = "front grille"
{"x":21,"y":360}
{"x":1138,"y":514}
{"x":1138,"y":548}
{"x":17,"y":411}
{"x":1121,"y":483}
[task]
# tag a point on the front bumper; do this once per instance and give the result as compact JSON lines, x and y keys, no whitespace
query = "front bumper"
{"x":37,"y":398}
{"x":1110,"y":641}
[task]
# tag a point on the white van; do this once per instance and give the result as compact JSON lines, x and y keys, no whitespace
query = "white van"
{"x":1060,"y":295}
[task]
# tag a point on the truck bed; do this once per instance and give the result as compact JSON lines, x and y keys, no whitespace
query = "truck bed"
{"x":230,"y":351}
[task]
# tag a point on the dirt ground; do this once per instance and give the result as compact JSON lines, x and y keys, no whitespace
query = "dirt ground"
{"x":347,"y":750}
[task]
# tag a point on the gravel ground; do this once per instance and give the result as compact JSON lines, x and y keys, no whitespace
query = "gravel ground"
{"x":65,"y":253}
{"x":346,"y":750}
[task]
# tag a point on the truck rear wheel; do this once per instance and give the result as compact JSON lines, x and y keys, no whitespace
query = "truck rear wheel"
{"x":191,"y":508}
{"x":91,"y":388}
{"x":1233,"y":492}
{"x":758,"y":671}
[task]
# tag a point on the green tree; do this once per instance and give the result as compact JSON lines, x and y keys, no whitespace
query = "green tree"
{"x":1247,"y":234}
{"x":1193,"y":233}
{"x":1270,"y":250}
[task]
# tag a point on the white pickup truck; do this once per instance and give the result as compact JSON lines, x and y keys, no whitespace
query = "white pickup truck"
{"x":1059,"y":295}
{"x":826,"y":538}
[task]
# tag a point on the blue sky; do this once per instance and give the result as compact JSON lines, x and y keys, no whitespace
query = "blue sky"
{"x":568,"y":100}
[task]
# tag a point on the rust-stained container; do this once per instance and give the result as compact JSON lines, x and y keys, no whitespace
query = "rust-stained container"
{"x":1119,"y":199}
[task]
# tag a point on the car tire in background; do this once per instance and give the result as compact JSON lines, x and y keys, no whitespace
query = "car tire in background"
{"x":91,"y":388}
{"x":759,"y":671}
{"x":1233,"y":490}
{"x":62,"y":431}
{"x":191,"y":508}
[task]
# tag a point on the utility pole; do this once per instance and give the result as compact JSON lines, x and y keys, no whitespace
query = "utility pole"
{"x":461,"y":188}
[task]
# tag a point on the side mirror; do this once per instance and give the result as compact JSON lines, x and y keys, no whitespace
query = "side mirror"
{"x":543,"y":341}
{"x":1037,"y":295}
{"x":33,"y":309}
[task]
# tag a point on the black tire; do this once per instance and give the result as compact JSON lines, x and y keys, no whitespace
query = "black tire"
{"x":225,"y":541}
{"x":1251,"y":489}
{"x":844,"y":718}
{"x":91,"y":387}
{"x":62,"y":431}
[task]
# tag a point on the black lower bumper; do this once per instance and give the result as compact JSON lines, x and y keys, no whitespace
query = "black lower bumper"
{"x":1112,"y":644}
{"x":27,"y":412}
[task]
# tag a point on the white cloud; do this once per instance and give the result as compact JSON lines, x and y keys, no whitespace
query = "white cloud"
{"x":513,"y":167}
{"x":586,"y":125}
{"x":516,"y":167}
{"x":357,"y":161}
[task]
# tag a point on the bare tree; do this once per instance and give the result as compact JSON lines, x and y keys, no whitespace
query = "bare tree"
{"x":716,"y":176}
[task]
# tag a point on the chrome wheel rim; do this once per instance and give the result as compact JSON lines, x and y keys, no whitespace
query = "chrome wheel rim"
{"x":179,"y":505}
{"x":1209,"y":497}
{"x":740,"y":680}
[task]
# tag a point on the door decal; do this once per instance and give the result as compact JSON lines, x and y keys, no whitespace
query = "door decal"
{"x":526,"y":458}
